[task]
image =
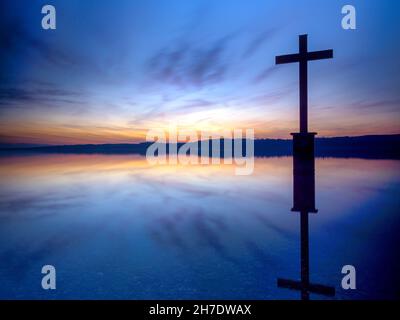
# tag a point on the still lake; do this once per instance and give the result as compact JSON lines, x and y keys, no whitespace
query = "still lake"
{"x":115,"y":227}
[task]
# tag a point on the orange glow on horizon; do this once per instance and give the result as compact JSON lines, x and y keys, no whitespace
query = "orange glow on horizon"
{"x":120,"y":131}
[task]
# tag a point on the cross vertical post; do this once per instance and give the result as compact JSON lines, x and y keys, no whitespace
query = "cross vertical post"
{"x":303,"y":82}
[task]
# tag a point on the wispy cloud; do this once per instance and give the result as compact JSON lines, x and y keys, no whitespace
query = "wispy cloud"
{"x":373,"y":104}
{"x":15,"y":40}
{"x":265,"y":74}
{"x":186,"y":65}
{"x":260,"y":40}
{"x":25,"y":97}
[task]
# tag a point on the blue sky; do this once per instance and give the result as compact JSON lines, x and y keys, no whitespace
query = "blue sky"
{"x":114,"y":69}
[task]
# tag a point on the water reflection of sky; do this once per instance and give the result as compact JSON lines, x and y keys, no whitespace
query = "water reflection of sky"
{"x":115,"y":227}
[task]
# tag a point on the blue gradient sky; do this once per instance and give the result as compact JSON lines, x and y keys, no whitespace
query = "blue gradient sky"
{"x":114,"y":69}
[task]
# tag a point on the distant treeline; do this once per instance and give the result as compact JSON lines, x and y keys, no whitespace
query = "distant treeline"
{"x":373,"y":147}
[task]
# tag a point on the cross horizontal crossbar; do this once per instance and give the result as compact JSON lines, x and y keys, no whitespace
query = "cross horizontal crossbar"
{"x":309,"y":56}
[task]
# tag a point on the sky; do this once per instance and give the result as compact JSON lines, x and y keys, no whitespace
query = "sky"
{"x":113,"y":70}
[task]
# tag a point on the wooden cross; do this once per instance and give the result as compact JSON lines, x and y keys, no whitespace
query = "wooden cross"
{"x":303,"y":57}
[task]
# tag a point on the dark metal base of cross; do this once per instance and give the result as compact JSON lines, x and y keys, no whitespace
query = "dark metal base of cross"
{"x":303,"y":144}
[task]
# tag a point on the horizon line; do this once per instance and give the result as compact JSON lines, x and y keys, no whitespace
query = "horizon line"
{"x":38,"y":145}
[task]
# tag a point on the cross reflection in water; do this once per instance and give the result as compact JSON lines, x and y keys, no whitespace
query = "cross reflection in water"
{"x":304,"y":203}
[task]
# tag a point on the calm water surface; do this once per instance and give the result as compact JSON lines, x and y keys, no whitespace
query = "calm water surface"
{"x":115,"y":227}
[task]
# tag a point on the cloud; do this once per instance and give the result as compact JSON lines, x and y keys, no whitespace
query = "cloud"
{"x":191,"y":105}
{"x":17,"y":95}
{"x":265,"y":74}
{"x":392,"y":104}
{"x":188,"y":65}
{"x":258,"y":41}
{"x":21,"y":44}
{"x":273,"y":96}
{"x":15,"y":41}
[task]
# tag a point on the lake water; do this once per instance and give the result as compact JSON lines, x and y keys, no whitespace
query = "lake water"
{"x":116,"y":227}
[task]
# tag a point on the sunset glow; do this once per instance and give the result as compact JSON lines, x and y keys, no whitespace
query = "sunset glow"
{"x":200,"y":65}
